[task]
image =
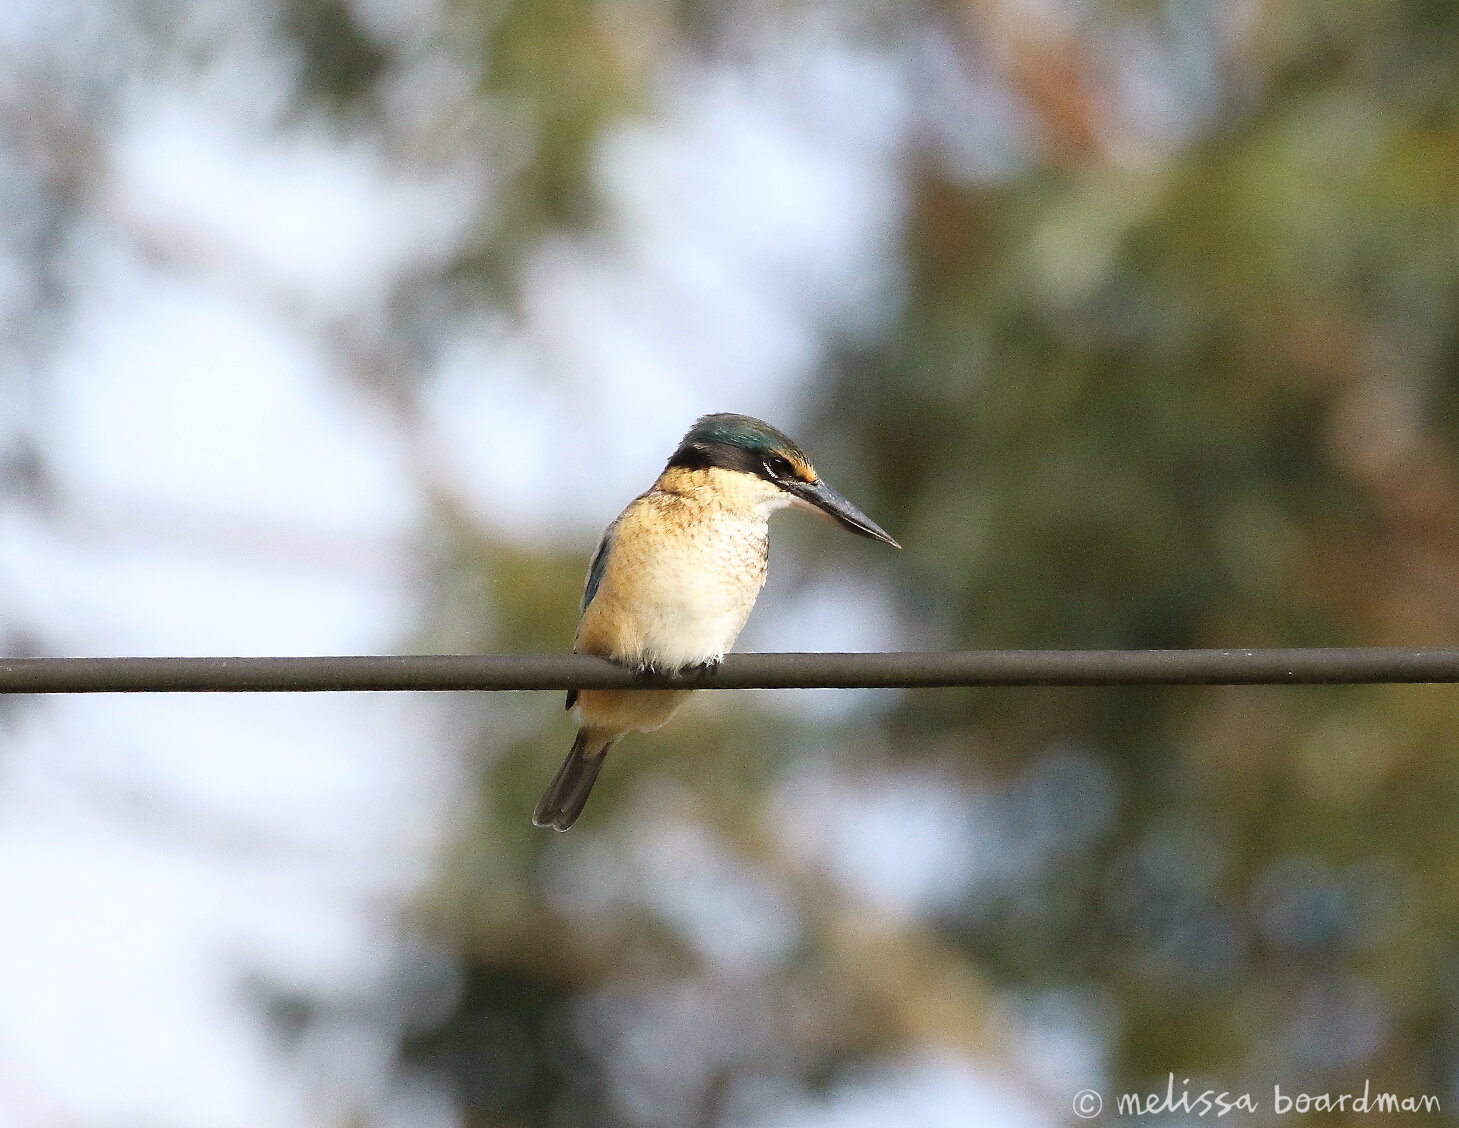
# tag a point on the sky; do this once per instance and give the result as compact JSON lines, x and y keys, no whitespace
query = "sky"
{"x":219,"y":493}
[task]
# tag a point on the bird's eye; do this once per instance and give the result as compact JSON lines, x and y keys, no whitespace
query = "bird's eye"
{"x":778,"y":467}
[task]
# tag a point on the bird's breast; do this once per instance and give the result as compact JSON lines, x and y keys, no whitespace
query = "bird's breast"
{"x":679,"y":584}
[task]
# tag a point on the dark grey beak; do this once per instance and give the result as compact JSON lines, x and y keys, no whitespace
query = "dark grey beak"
{"x":829,"y":502}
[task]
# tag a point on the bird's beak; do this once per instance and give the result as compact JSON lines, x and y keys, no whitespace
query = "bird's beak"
{"x":818,"y":495}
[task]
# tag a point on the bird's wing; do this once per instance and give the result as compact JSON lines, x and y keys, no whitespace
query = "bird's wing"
{"x":595,"y":577}
{"x":598,"y":566}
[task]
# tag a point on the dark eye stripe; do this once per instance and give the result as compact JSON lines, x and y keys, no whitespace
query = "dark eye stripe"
{"x":760,"y":462}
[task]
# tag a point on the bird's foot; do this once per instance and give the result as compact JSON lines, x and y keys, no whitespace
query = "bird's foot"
{"x":703,"y":670}
{"x":699,"y":671}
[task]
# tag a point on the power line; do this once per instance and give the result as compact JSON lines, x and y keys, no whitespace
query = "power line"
{"x":968,"y":668}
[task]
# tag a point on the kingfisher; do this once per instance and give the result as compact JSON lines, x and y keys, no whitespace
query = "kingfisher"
{"x":674,"y":578}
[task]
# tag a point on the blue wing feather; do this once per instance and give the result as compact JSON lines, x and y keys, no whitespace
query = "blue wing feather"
{"x":597,"y":568}
{"x":595,"y":577}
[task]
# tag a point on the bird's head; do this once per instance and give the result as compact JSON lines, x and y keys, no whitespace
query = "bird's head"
{"x":782,"y":472}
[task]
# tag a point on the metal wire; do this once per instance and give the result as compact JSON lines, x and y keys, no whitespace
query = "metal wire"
{"x":1322,"y":665}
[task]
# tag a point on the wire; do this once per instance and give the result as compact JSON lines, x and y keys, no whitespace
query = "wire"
{"x":1307,"y":666}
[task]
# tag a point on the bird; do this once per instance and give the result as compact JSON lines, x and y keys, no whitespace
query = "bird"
{"x":674,"y":578}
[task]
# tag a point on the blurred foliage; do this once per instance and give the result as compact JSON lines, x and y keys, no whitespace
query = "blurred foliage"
{"x":1190,"y":383}
{"x":1207,"y":402}
{"x":511,"y":1054}
{"x":342,"y":62}
{"x":562,"y":74}
{"x":1203,"y":396}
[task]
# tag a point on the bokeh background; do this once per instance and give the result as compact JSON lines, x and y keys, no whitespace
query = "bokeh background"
{"x":340,"y":326}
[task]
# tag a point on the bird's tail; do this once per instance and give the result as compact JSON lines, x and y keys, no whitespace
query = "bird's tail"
{"x":564,"y":800}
